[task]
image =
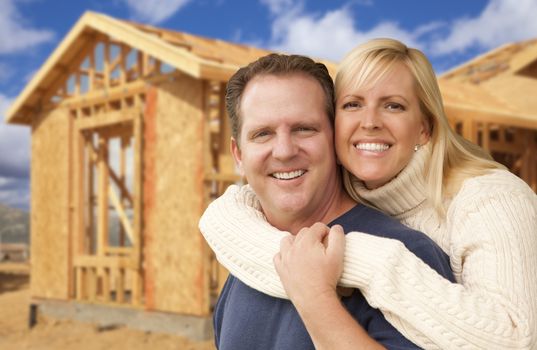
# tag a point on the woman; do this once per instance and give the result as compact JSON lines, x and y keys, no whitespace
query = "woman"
{"x":393,"y":138}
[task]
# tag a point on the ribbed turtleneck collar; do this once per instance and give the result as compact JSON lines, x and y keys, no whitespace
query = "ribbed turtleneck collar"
{"x":404,"y":192}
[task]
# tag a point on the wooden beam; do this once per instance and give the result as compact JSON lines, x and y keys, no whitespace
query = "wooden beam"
{"x":123,"y":251}
{"x":105,"y":120}
{"x":110,"y":262}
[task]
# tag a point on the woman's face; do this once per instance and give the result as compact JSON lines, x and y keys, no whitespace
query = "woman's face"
{"x":377,"y":128}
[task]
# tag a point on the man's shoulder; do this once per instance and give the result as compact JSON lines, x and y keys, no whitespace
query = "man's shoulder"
{"x":371,"y":221}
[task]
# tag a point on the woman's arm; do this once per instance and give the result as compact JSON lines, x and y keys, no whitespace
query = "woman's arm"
{"x":244,"y":243}
{"x":495,"y":307}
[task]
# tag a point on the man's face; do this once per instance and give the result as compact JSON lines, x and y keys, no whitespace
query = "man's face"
{"x":286,"y":147}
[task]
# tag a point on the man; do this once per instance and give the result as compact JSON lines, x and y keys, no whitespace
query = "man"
{"x":282,"y":113}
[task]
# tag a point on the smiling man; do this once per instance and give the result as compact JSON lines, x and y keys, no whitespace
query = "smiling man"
{"x":282,"y":117}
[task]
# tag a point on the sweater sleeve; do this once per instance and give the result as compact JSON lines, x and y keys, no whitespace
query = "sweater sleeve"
{"x":494,"y":237}
{"x":242,"y":240}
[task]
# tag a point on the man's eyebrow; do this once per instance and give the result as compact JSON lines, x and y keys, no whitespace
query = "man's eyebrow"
{"x":257,"y":129}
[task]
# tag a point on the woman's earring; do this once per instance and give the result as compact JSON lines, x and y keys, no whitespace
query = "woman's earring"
{"x":417,"y":147}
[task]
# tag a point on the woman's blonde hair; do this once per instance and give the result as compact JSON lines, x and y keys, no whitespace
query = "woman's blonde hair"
{"x":453,"y":158}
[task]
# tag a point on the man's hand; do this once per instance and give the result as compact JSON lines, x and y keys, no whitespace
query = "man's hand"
{"x":310,"y":263}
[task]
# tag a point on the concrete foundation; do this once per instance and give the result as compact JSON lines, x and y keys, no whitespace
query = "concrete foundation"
{"x":192,"y":327}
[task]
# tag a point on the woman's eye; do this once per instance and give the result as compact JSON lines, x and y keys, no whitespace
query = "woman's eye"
{"x":395,"y":106}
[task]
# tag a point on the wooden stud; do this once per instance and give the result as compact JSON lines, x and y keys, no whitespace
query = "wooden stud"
{"x":120,"y":285}
{"x":80,"y":286}
{"x":106,"y":63}
{"x":105,"y":278}
{"x":91,"y":282}
{"x":109,"y":262}
{"x":102,"y":217}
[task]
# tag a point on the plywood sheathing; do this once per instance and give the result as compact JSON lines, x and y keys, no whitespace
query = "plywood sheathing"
{"x":49,"y":206}
{"x":175,"y":251}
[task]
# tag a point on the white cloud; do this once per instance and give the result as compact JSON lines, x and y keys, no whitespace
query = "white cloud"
{"x":15,"y":34}
{"x":501,"y":21}
{"x":332,"y":34}
{"x":15,"y":193}
{"x":154,"y":11}
{"x":14,"y":145}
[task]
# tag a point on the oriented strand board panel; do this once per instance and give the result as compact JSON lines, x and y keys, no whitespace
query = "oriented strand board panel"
{"x":175,"y":253}
{"x":49,"y":221}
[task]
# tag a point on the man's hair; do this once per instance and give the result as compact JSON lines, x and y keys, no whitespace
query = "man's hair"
{"x":279,"y":65}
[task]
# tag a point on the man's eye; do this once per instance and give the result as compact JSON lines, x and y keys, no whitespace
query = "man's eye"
{"x":260,"y":135}
{"x":304,"y":129}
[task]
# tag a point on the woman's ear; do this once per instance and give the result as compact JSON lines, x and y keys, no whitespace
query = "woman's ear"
{"x":425,"y":131}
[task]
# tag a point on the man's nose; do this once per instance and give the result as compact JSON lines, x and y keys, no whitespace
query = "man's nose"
{"x":285,"y":147}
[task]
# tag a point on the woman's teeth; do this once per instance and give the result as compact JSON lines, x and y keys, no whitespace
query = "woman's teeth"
{"x":373,"y":147}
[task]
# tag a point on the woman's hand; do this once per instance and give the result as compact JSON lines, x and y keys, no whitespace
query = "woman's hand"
{"x":310,"y":263}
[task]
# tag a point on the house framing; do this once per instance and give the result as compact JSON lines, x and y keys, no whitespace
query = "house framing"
{"x":130,"y":142}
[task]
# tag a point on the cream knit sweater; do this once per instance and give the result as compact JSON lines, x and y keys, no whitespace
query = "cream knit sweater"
{"x":489,"y":232}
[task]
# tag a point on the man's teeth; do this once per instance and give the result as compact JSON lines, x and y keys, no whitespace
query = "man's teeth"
{"x":289,"y":175}
{"x":373,"y":147}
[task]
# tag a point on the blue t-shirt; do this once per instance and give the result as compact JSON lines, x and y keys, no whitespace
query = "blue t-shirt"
{"x":247,"y":319}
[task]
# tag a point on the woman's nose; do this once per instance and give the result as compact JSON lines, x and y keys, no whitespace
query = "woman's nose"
{"x":372,"y":120}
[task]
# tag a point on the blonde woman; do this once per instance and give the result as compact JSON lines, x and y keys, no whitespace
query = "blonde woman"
{"x":401,"y":156}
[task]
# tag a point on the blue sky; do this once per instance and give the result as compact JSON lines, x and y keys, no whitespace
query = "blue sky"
{"x":449,"y":32}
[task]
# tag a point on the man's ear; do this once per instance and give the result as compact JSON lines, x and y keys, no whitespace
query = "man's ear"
{"x":237,"y":156}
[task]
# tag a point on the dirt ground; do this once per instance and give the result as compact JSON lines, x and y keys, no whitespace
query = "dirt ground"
{"x":60,"y":335}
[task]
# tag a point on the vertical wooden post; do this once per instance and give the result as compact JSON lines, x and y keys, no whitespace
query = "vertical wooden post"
{"x":105,"y":278}
{"x":122,"y":179}
{"x":120,"y":285}
{"x":102,"y":228}
{"x":91,"y":70}
{"x":80,"y":285}
{"x":89,"y":245}
{"x":486,"y":136}
{"x":138,"y":200}
{"x":71,"y":199}
{"x":106,"y":63}
{"x":91,"y":282}
{"x":123,"y":64}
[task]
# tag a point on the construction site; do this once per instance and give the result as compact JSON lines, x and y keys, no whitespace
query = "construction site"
{"x":130,"y":143}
